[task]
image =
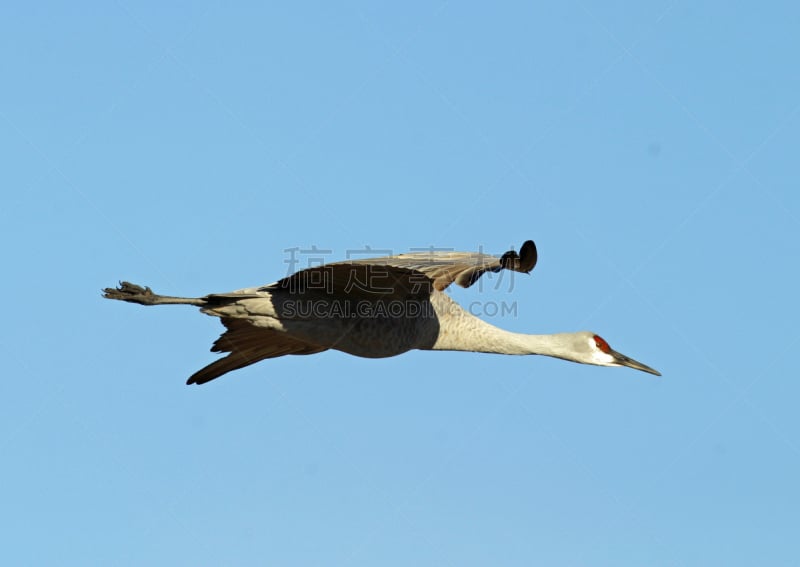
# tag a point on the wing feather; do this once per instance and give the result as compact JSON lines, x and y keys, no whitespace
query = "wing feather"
{"x":405,"y":274}
{"x":247,"y":345}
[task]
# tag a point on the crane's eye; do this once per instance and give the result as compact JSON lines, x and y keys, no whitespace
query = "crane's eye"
{"x":602,"y":344}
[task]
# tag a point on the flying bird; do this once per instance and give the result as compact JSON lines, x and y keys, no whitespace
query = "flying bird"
{"x":374,"y":308}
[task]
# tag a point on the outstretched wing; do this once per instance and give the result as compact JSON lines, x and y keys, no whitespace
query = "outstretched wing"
{"x":463,"y":268}
{"x":407,"y":275}
{"x":247,"y":345}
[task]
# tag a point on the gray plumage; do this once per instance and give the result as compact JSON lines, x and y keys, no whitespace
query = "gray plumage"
{"x":375,"y":307}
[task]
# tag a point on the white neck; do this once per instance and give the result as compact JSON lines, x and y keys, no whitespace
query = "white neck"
{"x":461,"y":331}
{"x":495,"y":340}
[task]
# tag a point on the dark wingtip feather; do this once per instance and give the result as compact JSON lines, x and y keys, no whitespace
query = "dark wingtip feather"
{"x":528,"y":256}
{"x":524,"y":261}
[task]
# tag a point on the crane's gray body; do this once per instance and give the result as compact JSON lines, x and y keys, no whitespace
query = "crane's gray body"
{"x":371,"y":328}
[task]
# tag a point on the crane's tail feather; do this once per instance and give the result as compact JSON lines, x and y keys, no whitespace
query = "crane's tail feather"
{"x":133,"y":293}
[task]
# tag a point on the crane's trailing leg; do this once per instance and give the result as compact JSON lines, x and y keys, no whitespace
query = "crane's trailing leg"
{"x":133,"y":293}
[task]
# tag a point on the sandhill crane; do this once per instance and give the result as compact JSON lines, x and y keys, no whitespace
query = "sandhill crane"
{"x":374,"y":308}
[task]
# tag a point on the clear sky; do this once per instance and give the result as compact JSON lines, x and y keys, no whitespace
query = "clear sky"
{"x":649,"y":148}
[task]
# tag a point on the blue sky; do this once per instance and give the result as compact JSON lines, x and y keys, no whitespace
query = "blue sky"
{"x":650,"y":150}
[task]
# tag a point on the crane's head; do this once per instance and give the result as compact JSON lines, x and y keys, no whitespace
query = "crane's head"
{"x":596,"y":350}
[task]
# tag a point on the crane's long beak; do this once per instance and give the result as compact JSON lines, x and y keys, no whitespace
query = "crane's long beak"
{"x":623,"y":360}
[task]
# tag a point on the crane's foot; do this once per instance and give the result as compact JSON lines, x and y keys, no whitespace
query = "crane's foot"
{"x":133,"y":293}
{"x":127,"y":291}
